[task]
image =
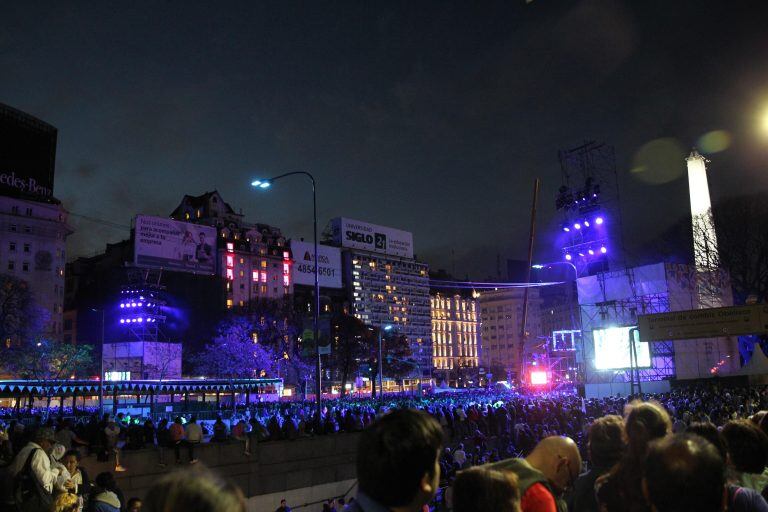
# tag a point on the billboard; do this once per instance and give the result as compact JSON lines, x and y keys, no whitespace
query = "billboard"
{"x":612,"y":349}
{"x":370,"y":237}
{"x":27,"y":155}
{"x":328,"y":269}
{"x":174,"y":245}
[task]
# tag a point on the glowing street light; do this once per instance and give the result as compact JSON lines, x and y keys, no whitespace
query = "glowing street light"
{"x":265,"y":184}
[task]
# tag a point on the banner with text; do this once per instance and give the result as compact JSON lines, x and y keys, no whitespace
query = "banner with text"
{"x":370,"y":237}
{"x":174,"y":245}
{"x":328,"y":269}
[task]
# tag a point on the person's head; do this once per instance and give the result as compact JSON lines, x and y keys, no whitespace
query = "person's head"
{"x":283,"y":503}
{"x":57,"y":452}
{"x":193,"y":489}
{"x":177,"y":420}
{"x":66,"y":502}
{"x":134,"y":505}
{"x":645,"y":422}
{"x":398,"y":459}
{"x":71,"y":460}
{"x":747,"y":446}
{"x":709,"y":432}
{"x":193,"y":419}
{"x":106,"y":481}
{"x":684,"y":472}
{"x":44,"y":438}
{"x":481,"y":488}
{"x":558,"y":459}
{"x":605,"y":441}
{"x":201,"y":236}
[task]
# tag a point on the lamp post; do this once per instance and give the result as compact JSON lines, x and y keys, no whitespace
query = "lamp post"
{"x":101,"y":364}
{"x":265,"y":184}
{"x":381,"y":365}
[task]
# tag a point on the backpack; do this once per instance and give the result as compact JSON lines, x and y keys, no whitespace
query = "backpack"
{"x":27,"y":491}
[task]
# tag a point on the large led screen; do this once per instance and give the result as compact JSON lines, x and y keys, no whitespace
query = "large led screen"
{"x":612,"y":349}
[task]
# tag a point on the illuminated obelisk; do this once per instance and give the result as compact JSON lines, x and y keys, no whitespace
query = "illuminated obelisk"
{"x":705,"y":254}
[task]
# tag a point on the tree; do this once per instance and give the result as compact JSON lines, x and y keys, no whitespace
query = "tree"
{"x":21,"y":319}
{"x":397,"y":363}
{"x":235,"y":354}
{"x":47,"y":362}
{"x":352,"y":341}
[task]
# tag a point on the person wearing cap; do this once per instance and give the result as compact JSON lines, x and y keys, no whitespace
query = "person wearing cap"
{"x":34,"y":460}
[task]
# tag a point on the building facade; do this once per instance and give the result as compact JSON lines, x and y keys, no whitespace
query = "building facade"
{"x":455,"y":335}
{"x":33,"y":239}
{"x":254,"y":259}
{"x":501,"y":314}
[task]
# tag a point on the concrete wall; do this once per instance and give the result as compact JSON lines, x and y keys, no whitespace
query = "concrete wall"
{"x":273,"y":468}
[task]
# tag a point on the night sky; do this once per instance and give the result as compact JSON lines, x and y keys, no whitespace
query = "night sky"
{"x":432,"y":117}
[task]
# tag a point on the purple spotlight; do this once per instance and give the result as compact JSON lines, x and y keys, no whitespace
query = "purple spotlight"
{"x":139,"y":304}
{"x":141,"y":319}
{"x":577,"y":226}
{"x":591,"y":252}
{"x":566,"y":229}
{"x":122,"y":305}
{"x":122,"y":320}
{"x":581,"y":254}
{"x":586,"y":223}
{"x":603,"y":250}
{"x":568,"y":257}
{"x":598,"y":220}
{"x":133,"y":304}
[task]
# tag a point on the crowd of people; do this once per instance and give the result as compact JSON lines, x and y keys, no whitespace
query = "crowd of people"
{"x":533,"y":452}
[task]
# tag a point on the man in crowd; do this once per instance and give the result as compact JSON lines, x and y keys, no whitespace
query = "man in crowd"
{"x":33,"y":475}
{"x":283,"y":507}
{"x":605,"y":444}
{"x":545,"y":474}
{"x":685,"y":472}
{"x":194,"y":435}
{"x":398,"y":466}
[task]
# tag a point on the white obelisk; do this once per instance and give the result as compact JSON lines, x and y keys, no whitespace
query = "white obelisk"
{"x":705,"y":253}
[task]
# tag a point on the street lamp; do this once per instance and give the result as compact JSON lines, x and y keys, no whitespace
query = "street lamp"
{"x":381,"y":366}
{"x":265,"y":184}
{"x":101,"y":364}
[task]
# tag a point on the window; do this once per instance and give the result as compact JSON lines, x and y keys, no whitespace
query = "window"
{"x":15,"y":210}
{"x":12,"y":246}
{"x":27,"y":229}
{"x":263,"y":263}
{"x":25,"y":266}
{"x":186,"y":216}
{"x":14,"y":228}
{"x":11,"y":265}
{"x":242,"y":303}
{"x":26,"y":247}
{"x":263,"y":289}
{"x":229,"y":303}
{"x":242,"y":286}
{"x":29,"y":212}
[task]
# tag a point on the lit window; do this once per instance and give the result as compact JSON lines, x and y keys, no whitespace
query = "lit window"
{"x":255,"y":276}
{"x":230,"y":261}
{"x":199,"y":214}
{"x":230,"y":247}
{"x":242,"y":261}
{"x":186,"y":216}
{"x":242,"y":303}
{"x":242,"y":273}
{"x":263,"y":263}
{"x":229,"y":303}
{"x":286,"y":255}
{"x":230,"y":274}
{"x":263,"y":289}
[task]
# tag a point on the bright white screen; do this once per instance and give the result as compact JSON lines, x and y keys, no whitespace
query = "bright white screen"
{"x":612,"y":349}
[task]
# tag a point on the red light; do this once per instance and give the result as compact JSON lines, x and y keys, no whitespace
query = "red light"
{"x":539,"y":378}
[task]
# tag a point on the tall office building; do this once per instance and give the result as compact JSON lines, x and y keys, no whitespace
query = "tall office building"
{"x":501,"y":313}
{"x":33,"y":223}
{"x":386,"y":284}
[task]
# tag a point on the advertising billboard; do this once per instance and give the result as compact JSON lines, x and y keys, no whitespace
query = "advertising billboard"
{"x":328,"y":269}
{"x":370,"y":237}
{"x":174,"y":245}
{"x":27,"y":155}
{"x":612,"y":349}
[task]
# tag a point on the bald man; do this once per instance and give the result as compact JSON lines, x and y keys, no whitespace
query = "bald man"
{"x":545,"y":474}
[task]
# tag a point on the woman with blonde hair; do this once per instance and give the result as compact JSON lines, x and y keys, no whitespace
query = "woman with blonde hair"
{"x":66,"y":502}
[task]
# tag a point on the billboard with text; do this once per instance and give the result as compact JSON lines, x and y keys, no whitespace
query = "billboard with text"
{"x":174,"y":245}
{"x":329,"y":265}
{"x":370,"y":237}
{"x":27,"y":155}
